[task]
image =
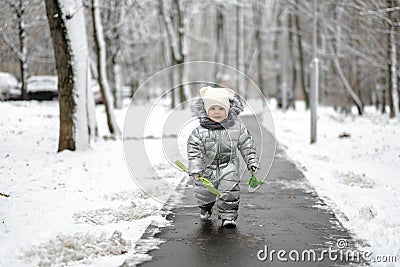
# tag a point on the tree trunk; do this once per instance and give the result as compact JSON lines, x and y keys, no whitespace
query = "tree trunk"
{"x":292,"y":62}
{"x":276,"y":52}
{"x":166,"y":51}
{"x":21,"y":53}
{"x":383,"y":107}
{"x":24,"y":52}
{"x":389,"y":77}
{"x":112,"y":18}
{"x":116,"y":70}
{"x":90,"y":103}
{"x":219,"y":33}
{"x":178,"y":49}
{"x":258,"y":8}
{"x":392,"y":65}
{"x":301,"y":58}
{"x":101,"y":69}
{"x":283,"y":69}
{"x":324,"y":89}
{"x":167,"y":48}
{"x":182,"y":24}
{"x":240,"y":50}
{"x":69,"y":40}
{"x":357,"y":101}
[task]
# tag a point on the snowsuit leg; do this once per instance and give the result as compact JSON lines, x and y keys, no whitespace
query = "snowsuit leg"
{"x":205,"y":198}
{"x":228,"y":204}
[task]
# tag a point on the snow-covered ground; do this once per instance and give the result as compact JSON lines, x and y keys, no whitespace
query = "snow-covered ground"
{"x":83,"y":208}
{"x":78,"y":207}
{"x":357,"y":175}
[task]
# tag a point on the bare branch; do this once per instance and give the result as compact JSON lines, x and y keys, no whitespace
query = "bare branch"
{"x":15,"y":50}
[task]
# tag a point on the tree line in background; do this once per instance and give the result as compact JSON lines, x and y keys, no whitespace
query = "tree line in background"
{"x":126,"y":41}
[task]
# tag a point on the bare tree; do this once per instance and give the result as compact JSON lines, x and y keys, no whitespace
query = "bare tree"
{"x":20,"y":51}
{"x":240,"y":49}
{"x":335,"y":53}
{"x":276,"y":65}
{"x":301,"y":56}
{"x":358,"y":43}
{"x":174,"y":13}
{"x":392,"y":60}
{"x":67,"y":27}
{"x":113,"y":20}
{"x":101,"y":69}
{"x":219,"y":39}
{"x":259,"y":10}
{"x":293,"y":69}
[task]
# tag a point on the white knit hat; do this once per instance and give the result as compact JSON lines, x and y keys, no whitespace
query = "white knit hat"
{"x":216,"y":96}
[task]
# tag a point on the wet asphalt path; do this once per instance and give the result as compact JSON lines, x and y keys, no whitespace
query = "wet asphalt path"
{"x":280,"y":215}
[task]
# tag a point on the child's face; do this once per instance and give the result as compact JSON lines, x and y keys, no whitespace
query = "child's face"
{"x":216,"y":113}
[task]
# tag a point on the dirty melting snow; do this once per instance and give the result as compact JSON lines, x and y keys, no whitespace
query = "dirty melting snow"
{"x":77,"y":247}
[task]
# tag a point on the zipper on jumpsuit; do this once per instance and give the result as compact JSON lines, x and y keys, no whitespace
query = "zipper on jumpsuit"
{"x":219,"y":136}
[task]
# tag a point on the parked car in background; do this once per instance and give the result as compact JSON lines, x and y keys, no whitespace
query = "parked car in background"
{"x":127,"y":91}
{"x":43,"y":87}
{"x":9,"y":86}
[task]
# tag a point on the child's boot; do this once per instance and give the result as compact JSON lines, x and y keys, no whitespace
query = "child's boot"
{"x":206,"y":210}
{"x":205,"y":214}
{"x":229,"y":223}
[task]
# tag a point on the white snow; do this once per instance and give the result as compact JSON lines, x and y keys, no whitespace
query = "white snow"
{"x":65,"y":205}
{"x":358,"y":176}
{"x":83,"y":208}
{"x":78,"y":247}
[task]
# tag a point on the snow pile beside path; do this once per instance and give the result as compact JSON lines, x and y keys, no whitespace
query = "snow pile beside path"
{"x":135,"y":211}
{"x":354,"y":167}
{"x":65,"y":249}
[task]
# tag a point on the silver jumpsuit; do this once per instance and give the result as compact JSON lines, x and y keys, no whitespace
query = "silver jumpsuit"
{"x":212,"y":150}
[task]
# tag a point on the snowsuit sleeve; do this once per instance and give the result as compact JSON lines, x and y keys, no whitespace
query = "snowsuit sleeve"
{"x":247,"y":148}
{"x":194,"y":153}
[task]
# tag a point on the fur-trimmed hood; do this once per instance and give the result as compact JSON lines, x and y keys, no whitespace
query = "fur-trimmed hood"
{"x":236,"y":106}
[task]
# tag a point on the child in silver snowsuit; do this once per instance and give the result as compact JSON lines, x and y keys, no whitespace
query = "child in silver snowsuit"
{"x":212,"y":149}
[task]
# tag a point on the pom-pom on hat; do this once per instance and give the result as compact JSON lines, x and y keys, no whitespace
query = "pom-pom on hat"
{"x":216,"y":96}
